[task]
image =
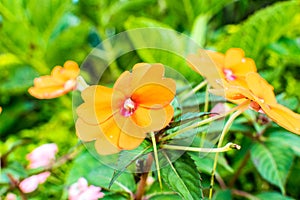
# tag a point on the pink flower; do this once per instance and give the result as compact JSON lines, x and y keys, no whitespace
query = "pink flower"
{"x":218,"y":109}
{"x":31,"y":183}
{"x":42,"y":156}
{"x":11,"y":196}
{"x":81,"y":191}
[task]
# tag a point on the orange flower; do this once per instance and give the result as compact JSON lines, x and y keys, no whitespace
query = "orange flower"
{"x":0,"y":109}
{"x":118,"y":118}
{"x":261,"y":98}
{"x":61,"y":81}
{"x":231,"y":67}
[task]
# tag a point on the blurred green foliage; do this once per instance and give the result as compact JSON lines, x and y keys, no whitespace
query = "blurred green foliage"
{"x":36,"y":35}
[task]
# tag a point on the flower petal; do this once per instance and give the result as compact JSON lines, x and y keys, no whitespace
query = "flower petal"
{"x":48,"y":92}
{"x":205,"y":66}
{"x":233,"y":56}
{"x":241,"y":69}
{"x":155,"y":94}
{"x":260,"y":88}
{"x":87,"y":132}
{"x":153,"y":119}
{"x":283,"y":117}
{"x":98,"y":104}
{"x":129,"y":142}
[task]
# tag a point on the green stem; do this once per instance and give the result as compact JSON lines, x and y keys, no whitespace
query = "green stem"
{"x":242,"y":106}
{"x":156,"y":158}
{"x":194,"y":90}
{"x":227,"y":147}
{"x":225,"y":130}
{"x":203,"y":136}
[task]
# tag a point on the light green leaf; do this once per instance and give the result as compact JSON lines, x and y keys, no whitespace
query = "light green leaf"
{"x":272,"y":195}
{"x":182,"y":178}
{"x":199,"y":29}
{"x":273,"y":162}
{"x":280,"y":16}
{"x":158,"y":43}
{"x":222,"y":194}
{"x":284,"y":138}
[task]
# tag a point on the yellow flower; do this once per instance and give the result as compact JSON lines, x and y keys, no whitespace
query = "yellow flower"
{"x":61,"y":81}
{"x":259,"y":93}
{"x":118,"y":118}
{"x":231,"y":67}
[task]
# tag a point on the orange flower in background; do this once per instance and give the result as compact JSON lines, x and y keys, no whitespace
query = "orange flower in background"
{"x":231,"y":67}
{"x":261,"y":98}
{"x":61,"y":81}
{"x":118,"y":118}
{"x":0,"y":109}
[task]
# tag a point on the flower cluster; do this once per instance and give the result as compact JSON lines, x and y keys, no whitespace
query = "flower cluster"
{"x":238,"y":81}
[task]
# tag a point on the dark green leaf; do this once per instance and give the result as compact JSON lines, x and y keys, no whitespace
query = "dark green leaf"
{"x":273,"y":162}
{"x":182,"y":178}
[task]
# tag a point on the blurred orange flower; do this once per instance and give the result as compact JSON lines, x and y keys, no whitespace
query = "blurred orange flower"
{"x":61,"y":81}
{"x":232,"y":67}
{"x":261,"y":98}
{"x":118,"y":118}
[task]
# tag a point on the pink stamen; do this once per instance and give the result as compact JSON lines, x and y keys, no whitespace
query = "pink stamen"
{"x":128,"y":108}
{"x":229,"y":74}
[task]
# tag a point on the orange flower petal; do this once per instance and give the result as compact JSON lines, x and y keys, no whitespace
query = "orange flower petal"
{"x":155,"y":95}
{"x":218,"y":58}
{"x":260,"y":88}
{"x":283,"y":117}
{"x":47,"y":92}
{"x":244,"y":67}
{"x":118,"y":137}
{"x":98,"y":104}
{"x":104,"y":147}
{"x":233,"y":56}
{"x":128,"y":142}
{"x":87,"y":132}
{"x":151,"y":119}
{"x":206,"y":67}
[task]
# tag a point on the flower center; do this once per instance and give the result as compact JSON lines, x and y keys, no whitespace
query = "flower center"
{"x":229,"y":74}
{"x":128,"y":108}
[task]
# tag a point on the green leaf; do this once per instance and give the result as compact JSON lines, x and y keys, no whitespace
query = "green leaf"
{"x":272,"y":195}
{"x":162,"y":44}
{"x":222,"y":194}
{"x":205,"y":163}
{"x":182,"y":178}
{"x":280,"y":16}
{"x":286,"y":139}
{"x":273,"y":162}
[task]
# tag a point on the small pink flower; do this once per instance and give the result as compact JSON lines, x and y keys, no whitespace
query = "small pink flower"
{"x":42,"y":156}
{"x":218,"y":109}
{"x":81,"y":191}
{"x":10,"y":196}
{"x":31,"y":183}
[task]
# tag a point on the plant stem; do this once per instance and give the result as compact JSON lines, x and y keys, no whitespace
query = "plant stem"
{"x":194,"y":90}
{"x":143,"y":180}
{"x":225,"y":130}
{"x":227,"y":147}
{"x":244,"y":194}
{"x":241,"y":167}
{"x":156,"y":158}
{"x":242,"y":106}
{"x":203,"y":136}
